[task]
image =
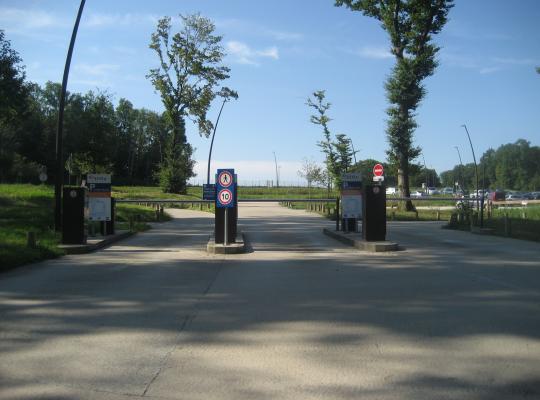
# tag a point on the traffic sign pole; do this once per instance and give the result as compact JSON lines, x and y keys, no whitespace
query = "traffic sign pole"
{"x":225,"y":236}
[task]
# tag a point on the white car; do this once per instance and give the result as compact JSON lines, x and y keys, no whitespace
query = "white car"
{"x":391,"y":190}
{"x":418,"y":194}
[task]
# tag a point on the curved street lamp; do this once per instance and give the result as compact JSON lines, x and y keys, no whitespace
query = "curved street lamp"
{"x":227,"y":94}
{"x":460,"y":169}
{"x":59,"y":181}
{"x":475,"y":165}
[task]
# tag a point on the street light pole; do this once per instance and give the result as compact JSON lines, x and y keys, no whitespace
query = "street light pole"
{"x":212,"y":142}
{"x":59,"y":181}
{"x":277,"y":173}
{"x":460,"y":168}
{"x":427,"y":179}
{"x":475,"y":165}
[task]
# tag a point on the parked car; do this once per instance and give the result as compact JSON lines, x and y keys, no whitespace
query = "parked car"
{"x":497,"y":195}
{"x":418,"y":194}
{"x":535,"y":195}
{"x":515,"y":196}
{"x":391,"y":190}
{"x":447,"y":190}
{"x":432,"y":191}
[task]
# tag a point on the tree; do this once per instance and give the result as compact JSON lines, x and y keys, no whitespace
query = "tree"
{"x":13,"y":99}
{"x":311,"y":172}
{"x":342,"y":147}
{"x":410,"y":25}
{"x":338,"y":152}
{"x":189,"y":71}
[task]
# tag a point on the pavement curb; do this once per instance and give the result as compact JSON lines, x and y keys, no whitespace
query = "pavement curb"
{"x":95,"y":244}
{"x":376,"y":247}
{"x":232,"y":248}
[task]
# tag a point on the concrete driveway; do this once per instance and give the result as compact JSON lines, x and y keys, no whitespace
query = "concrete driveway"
{"x":453,"y":316}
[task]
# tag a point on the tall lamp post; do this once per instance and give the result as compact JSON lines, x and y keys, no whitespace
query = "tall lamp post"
{"x":227,"y":94}
{"x":277,"y":173}
{"x":427,"y":178}
{"x":212,"y":142}
{"x":460,"y":177}
{"x":475,"y":165}
{"x":59,"y":181}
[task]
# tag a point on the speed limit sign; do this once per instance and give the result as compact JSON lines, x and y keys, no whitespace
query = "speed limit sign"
{"x":225,"y":197}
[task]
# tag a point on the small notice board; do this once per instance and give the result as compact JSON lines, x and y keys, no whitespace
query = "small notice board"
{"x":99,"y":197}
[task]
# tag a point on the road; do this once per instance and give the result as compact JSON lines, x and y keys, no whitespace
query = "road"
{"x":453,"y":316}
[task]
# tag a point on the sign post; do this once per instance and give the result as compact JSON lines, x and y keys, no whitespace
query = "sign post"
{"x":351,"y":200}
{"x":225,"y":195}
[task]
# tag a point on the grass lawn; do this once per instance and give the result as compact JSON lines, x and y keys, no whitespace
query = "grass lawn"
{"x":514,"y":222}
{"x":25,"y":208}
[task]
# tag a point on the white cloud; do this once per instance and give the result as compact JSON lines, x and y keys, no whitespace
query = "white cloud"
{"x":484,"y":65}
{"x":97,"y":20}
{"x":243,"y":54}
{"x":516,"y":61}
{"x":240,"y":26}
{"x":96,"y":75}
{"x":489,"y":70}
{"x":252,"y":170}
{"x":284,"y":35}
{"x":374,"y":53}
{"x":97,"y":69}
{"x":23,"y":19}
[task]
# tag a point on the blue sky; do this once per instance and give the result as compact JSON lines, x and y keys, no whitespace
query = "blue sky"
{"x":281,"y":51}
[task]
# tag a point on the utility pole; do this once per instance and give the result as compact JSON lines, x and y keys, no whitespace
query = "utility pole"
{"x":60,"y":128}
{"x":460,"y":168}
{"x":427,"y":178}
{"x":212,"y":142}
{"x":475,"y":165}
{"x":277,"y":173}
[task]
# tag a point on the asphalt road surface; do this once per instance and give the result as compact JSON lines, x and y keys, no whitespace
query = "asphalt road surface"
{"x":453,"y":316}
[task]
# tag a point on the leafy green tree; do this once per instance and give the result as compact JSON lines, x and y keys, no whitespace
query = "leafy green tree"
{"x":126,"y":117}
{"x":311,"y":172}
{"x":342,"y":147}
{"x":338,"y":152}
{"x":13,"y":101}
{"x":410,"y":25}
{"x":189,"y":72}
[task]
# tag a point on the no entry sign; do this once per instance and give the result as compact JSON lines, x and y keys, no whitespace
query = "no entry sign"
{"x":378,"y":170}
{"x":225,"y":188}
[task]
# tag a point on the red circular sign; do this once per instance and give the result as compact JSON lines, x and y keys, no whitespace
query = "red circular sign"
{"x":225,"y":197}
{"x":225,"y":179}
{"x":378,"y":170}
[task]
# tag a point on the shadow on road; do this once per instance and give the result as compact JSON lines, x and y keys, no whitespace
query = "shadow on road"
{"x":431,"y":322}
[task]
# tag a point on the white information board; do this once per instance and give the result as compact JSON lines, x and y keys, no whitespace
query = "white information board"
{"x":351,"y":205}
{"x":99,"y":208}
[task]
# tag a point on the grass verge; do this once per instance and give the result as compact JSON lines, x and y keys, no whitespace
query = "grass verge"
{"x":28,"y":208}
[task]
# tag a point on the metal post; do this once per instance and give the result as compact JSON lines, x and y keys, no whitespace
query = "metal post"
{"x":226,"y":224}
{"x":475,"y":165}
{"x":212,"y":142}
{"x":483,"y":194}
{"x":277,"y":173}
{"x":337,"y":213}
{"x":60,"y":129}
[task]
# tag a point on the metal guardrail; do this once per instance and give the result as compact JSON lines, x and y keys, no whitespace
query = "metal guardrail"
{"x":329,"y":200}
{"x":198,"y":201}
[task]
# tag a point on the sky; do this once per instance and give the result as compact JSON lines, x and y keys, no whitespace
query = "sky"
{"x":280,"y":52}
